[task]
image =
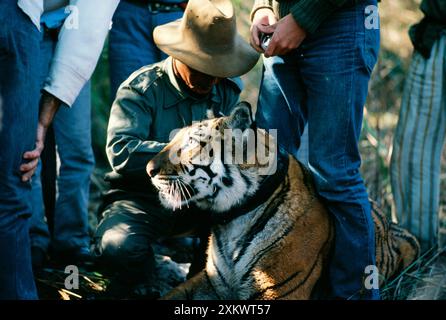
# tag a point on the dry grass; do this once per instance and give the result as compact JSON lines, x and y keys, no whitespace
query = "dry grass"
{"x":51,"y":285}
{"x":424,"y":280}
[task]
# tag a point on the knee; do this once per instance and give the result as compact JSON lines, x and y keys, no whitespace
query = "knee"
{"x":120,"y":248}
{"x":337,"y":178}
{"x":83,"y":154}
{"x":78,"y":164}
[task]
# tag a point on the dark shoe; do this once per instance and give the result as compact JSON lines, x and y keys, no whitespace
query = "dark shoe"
{"x":78,"y":256}
{"x":144,"y":292}
{"x":83,"y":255}
{"x":38,"y":258}
{"x":120,"y":290}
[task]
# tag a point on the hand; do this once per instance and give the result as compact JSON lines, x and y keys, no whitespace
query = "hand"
{"x":48,"y":108}
{"x":262,"y":18}
{"x":287,"y":35}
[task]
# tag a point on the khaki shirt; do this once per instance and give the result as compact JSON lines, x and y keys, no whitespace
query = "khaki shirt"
{"x":149,"y":105}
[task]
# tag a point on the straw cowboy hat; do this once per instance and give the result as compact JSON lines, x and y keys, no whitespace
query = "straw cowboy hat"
{"x":206,"y":39}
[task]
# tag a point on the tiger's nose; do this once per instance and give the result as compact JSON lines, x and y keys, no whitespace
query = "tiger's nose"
{"x":152,"y":168}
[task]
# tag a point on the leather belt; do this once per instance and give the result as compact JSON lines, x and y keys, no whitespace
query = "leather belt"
{"x":157,"y":7}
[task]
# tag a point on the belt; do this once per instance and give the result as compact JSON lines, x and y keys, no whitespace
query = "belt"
{"x":156,"y":7}
{"x":348,"y":3}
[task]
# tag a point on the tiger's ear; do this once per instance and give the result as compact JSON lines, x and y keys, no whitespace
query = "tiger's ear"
{"x":240,"y":117}
{"x":210,"y":114}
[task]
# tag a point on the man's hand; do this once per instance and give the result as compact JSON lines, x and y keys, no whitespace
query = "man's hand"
{"x":262,"y":18}
{"x":287,"y":35}
{"x":48,"y":108}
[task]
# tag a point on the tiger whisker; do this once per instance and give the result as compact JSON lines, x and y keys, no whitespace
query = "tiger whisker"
{"x":180,"y":184}
{"x":173,"y":195}
{"x":178,"y":194}
{"x":186,"y":184}
{"x":183,"y":186}
{"x":156,"y":186}
{"x":170,"y":191}
{"x":187,"y":190}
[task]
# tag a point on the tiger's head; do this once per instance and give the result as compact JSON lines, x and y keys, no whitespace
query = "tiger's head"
{"x":214,"y":164}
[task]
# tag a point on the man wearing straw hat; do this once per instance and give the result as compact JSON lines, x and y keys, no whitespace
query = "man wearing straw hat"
{"x":204,"y":51}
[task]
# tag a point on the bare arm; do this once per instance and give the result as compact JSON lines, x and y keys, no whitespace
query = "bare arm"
{"x":49,"y":105}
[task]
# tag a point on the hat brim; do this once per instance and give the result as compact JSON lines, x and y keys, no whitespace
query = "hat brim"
{"x":235,"y":61}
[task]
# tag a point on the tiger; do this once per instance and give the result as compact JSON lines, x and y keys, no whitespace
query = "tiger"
{"x":271,"y":234}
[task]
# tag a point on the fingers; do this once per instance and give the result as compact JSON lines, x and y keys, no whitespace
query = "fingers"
{"x":273,"y":48}
{"x":266,"y":28}
{"x":30,"y":155}
{"x":27,"y":176}
{"x":28,"y":169}
{"x":279,"y":45}
{"x":269,"y":51}
{"x":272,"y":19}
{"x":263,"y":22}
{"x":29,"y":165}
{"x":255,"y":40}
{"x":255,"y":35}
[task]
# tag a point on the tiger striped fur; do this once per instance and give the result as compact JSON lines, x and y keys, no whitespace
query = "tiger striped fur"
{"x":277,"y":250}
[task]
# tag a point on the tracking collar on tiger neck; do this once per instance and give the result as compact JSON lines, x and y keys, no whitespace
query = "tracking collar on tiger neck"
{"x":267,"y":187}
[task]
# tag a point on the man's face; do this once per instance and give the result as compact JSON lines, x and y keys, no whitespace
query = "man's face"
{"x":198,"y":82}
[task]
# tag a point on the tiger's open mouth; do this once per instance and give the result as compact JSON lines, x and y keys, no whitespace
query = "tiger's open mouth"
{"x":174,"y":191}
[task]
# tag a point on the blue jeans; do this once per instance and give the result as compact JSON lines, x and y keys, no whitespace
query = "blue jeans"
{"x":131,"y":43}
{"x":324,"y":84}
{"x":271,"y":94}
{"x":19,"y":93}
{"x":72,"y":130}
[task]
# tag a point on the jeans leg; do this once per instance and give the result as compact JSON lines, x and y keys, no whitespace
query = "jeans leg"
{"x":131,"y":44}
{"x":122,"y":242}
{"x":336,"y":64}
{"x":39,"y":231}
{"x":19,"y":56}
{"x":72,"y":129}
{"x":123,"y":239}
{"x":160,"y":19}
{"x":280,"y":97}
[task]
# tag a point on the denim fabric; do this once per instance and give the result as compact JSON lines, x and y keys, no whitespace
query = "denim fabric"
{"x":271,"y":94}
{"x":73,"y":140}
{"x":19,"y":93}
{"x":131,"y":43}
{"x":324,"y":83}
{"x":418,"y":144}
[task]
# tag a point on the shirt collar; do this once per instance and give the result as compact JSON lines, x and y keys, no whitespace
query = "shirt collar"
{"x":179,"y":93}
